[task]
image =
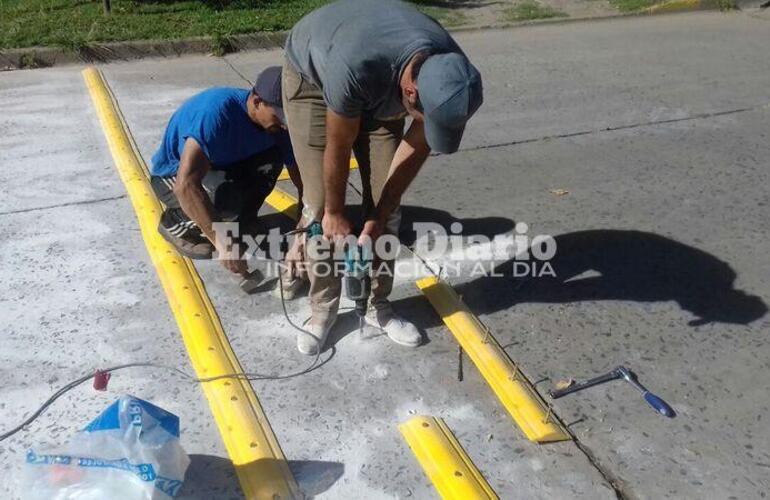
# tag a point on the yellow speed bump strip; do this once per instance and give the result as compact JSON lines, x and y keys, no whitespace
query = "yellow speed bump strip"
{"x":510,"y":385}
{"x":284,"y":203}
{"x":444,"y":461}
{"x":259,"y":462}
{"x":284,"y":176}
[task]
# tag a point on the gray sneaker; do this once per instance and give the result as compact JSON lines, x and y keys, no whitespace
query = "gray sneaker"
{"x":397,"y":329}
{"x":310,"y":344}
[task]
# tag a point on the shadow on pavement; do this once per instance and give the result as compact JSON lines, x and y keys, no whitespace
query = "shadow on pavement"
{"x":210,"y":476}
{"x":624,"y":265}
{"x":485,"y":226}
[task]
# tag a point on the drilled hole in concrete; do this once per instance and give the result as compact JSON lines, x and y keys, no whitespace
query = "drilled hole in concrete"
{"x":211,"y":348}
{"x":253,"y":444}
{"x":234,"y":398}
{"x":458,"y":473}
{"x":227,"y":382}
{"x":425,"y":424}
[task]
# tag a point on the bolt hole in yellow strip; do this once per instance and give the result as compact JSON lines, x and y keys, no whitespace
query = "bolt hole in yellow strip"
{"x":444,"y":461}
{"x":250,"y":442}
{"x":514,"y":391}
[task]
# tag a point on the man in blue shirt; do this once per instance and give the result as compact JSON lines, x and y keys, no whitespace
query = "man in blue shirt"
{"x":219,"y":159}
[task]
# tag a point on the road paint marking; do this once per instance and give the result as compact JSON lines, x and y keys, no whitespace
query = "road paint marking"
{"x":250,"y":442}
{"x":444,"y":461}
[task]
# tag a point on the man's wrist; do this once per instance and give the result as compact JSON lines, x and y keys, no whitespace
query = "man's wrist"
{"x":381,"y":214}
{"x":333,"y":211}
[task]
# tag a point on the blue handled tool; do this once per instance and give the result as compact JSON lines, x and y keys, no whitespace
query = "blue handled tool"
{"x":621,"y":372}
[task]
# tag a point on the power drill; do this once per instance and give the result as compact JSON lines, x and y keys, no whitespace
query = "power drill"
{"x":358,"y":280}
{"x":358,"y":270}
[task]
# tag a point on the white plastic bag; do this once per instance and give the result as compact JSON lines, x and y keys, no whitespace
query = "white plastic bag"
{"x":130,"y":451}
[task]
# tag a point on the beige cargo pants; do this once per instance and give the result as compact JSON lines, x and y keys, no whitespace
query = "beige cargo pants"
{"x":374,"y":149}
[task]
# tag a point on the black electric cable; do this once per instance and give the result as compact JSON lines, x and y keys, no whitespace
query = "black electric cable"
{"x":240,"y":376}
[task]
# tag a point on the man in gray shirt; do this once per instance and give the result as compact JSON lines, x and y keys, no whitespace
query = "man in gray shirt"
{"x":354,"y":70}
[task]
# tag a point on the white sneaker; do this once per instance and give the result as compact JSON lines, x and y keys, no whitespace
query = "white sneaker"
{"x":398,"y":329}
{"x":310,"y":344}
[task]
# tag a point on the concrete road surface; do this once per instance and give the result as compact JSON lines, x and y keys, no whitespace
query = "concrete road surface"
{"x":640,"y":145}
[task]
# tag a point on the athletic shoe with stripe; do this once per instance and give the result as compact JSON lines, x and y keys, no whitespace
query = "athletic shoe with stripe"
{"x":184,"y":234}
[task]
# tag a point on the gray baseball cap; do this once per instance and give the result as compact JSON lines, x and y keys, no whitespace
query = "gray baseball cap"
{"x":268,"y":88}
{"x":450,"y":91}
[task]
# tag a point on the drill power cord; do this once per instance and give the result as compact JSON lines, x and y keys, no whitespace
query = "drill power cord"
{"x":240,"y":376}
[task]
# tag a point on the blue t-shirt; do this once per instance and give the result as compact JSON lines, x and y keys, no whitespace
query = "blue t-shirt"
{"x":218,"y":120}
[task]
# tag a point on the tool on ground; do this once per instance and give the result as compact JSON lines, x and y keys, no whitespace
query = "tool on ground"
{"x":252,"y":281}
{"x":358,"y":280}
{"x":621,"y":372}
{"x":459,"y":363}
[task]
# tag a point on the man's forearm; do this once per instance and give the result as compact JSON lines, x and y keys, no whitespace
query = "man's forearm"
{"x":341,"y":133}
{"x":400,"y":178}
{"x":409,"y":158}
{"x":197,"y":206}
{"x":336,"y":169}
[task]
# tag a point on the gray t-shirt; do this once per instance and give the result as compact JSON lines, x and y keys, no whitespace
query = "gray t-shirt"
{"x":356,"y":50}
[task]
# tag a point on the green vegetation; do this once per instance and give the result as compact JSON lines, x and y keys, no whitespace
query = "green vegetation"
{"x":221,"y":44}
{"x":30,"y":61}
{"x":725,"y":5}
{"x":671,"y":5}
{"x":447,"y":17}
{"x":529,"y":10}
{"x":633,"y":5}
{"x":77,"y":24}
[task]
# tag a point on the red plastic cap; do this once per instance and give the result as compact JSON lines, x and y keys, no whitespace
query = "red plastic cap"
{"x":100,"y":380}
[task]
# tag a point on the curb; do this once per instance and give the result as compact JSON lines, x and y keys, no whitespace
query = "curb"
{"x":692,"y":5}
{"x":41,"y":57}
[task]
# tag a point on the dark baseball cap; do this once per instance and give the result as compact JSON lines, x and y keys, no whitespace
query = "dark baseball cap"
{"x":268,"y":88}
{"x":450,"y":92}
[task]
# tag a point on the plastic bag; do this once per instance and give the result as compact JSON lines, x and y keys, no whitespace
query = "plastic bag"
{"x":130,"y":451}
